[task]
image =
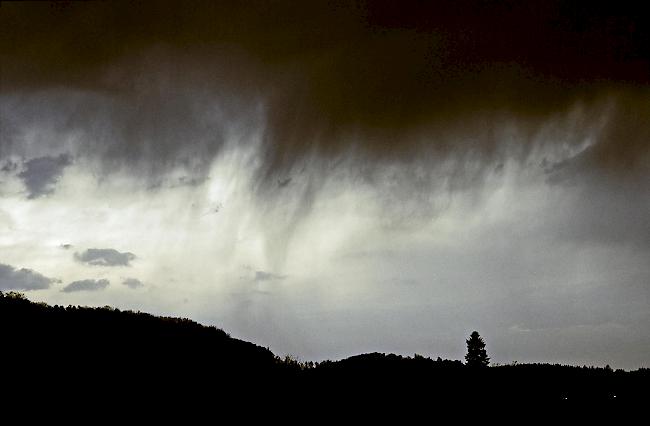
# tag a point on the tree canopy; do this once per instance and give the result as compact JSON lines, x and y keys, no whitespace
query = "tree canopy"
{"x":476,"y":354}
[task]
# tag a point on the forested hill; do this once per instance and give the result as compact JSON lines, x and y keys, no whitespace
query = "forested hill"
{"x":105,"y":338}
{"x":97,"y":349}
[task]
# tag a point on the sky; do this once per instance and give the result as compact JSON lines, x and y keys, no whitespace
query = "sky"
{"x":334,"y":178}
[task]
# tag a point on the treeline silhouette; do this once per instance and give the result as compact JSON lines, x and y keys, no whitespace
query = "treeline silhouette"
{"x":145,"y":356}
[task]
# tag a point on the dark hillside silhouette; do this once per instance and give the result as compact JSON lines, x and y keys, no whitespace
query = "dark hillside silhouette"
{"x":96,"y":348}
{"x":105,"y":352}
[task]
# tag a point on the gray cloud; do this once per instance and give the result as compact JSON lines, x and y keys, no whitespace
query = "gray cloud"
{"x":86,"y":285}
{"x":284,"y":182}
{"x":105,"y":257}
{"x":22,"y":279}
{"x":41,"y":174}
{"x":132,"y":283}
{"x":267,"y":276}
{"x":9,"y":166}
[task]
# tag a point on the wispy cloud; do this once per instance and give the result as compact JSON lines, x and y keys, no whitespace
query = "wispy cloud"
{"x":132,"y":283}
{"x":267,"y":276}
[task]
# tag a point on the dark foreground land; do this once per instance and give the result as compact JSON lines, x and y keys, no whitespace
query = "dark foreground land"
{"x":137,"y":356}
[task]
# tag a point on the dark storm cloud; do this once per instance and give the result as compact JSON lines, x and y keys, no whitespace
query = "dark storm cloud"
{"x":161,"y":85}
{"x":132,"y":283}
{"x":40,"y":175}
{"x":22,"y":279}
{"x":105,"y":257}
{"x":610,"y":206}
{"x":622,"y":144}
{"x":86,"y":285}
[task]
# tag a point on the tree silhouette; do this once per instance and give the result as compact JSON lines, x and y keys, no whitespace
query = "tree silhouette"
{"x":476,"y":354}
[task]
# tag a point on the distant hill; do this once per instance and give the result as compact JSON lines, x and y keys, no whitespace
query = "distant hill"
{"x":145,"y":356}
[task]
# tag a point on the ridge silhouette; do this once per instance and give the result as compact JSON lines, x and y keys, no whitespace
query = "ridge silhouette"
{"x":99,"y":350}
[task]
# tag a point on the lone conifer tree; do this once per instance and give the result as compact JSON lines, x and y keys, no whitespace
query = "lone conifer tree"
{"x":476,"y":354}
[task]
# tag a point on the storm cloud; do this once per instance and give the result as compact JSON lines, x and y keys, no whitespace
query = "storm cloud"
{"x":22,"y":279}
{"x":40,"y":175}
{"x":105,"y":257}
{"x":86,"y":285}
{"x":360,"y":83}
